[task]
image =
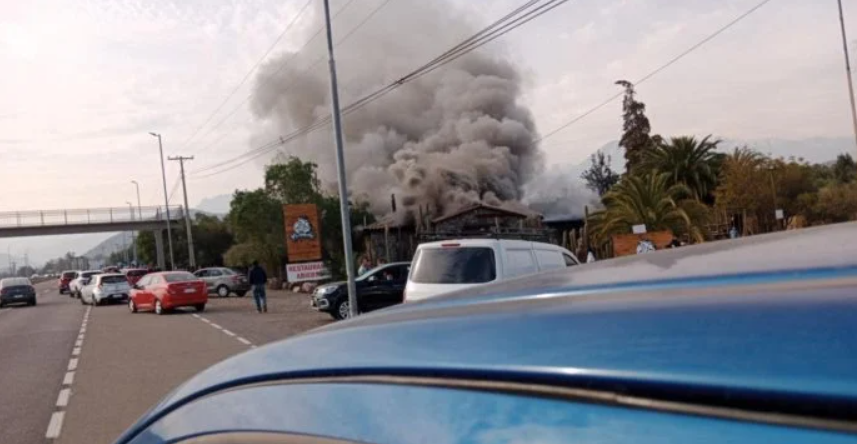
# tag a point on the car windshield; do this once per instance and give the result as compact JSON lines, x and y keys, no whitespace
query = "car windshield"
{"x":136,"y":273}
{"x":89,"y":274}
{"x":454,"y":265}
{"x":179,"y":277}
{"x":116,"y":279}
{"x":14,"y":282}
{"x":68,"y":275}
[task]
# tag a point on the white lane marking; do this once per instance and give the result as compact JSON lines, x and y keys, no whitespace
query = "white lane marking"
{"x":78,"y":343}
{"x":195,"y":315}
{"x":205,"y":320}
{"x":228,"y":332}
{"x":62,"y":399}
{"x":75,"y":351}
{"x":72,"y":364}
{"x":243,"y":341}
{"x":55,"y":426}
{"x":216,"y":326}
{"x":68,"y":379}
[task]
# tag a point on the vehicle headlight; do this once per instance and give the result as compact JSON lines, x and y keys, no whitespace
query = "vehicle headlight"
{"x":326,"y":290}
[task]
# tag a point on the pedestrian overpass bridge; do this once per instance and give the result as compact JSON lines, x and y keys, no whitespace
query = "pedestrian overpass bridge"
{"x":91,"y":220}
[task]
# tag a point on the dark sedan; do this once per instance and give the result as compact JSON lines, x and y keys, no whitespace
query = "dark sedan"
{"x":17,"y":291}
{"x":378,"y":288}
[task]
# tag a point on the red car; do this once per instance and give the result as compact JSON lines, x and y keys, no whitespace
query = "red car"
{"x":165,"y":291}
{"x":135,"y":274}
{"x":65,"y":279}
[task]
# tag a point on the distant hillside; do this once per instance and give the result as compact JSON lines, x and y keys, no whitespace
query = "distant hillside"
{"x":215,"y":204}
{"x":119,"y":241}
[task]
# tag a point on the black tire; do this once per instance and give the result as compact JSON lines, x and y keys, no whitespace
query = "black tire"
{"x":199,"y":307}
{"x":222,"y":291}
{"x":33,"y":302}
{"x":159,"y":308}
{"x":340,"y":310}
{"x":82,"y":302}
{"x":241,"y":294}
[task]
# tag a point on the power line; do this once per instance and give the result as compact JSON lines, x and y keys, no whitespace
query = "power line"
{"x":656,"y":71}
{"x":486,"y":35}
{"x":247,"y":75}
{"x":268,"y":80}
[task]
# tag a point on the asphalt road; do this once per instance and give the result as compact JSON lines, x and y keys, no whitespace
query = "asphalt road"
{"x":71,"y":374}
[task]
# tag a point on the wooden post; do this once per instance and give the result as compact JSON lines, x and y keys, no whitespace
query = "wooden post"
{"x":387,"y":242}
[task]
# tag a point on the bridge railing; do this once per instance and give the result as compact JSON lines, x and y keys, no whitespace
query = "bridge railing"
{"x":87,"y":216}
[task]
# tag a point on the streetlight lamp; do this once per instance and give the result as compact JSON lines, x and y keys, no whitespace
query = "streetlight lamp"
{"x":133,"y":241}
{"x":166,"y":199}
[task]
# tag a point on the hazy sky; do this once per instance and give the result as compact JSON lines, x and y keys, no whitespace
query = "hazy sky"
{"x":83,"y":82}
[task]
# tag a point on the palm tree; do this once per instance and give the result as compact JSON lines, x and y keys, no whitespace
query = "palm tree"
{"x":687,"y":161}
{"x":650,"y":199}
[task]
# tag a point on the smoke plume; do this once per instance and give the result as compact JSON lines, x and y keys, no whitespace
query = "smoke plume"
{"x":453,"y":137}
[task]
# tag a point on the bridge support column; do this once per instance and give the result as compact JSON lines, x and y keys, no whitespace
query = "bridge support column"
{"x":159,"y":249}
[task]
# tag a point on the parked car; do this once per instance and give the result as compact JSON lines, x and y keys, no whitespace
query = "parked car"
{"x":223,"y":281}
{"x":441,"y":267}
{"x":106,"y":288}
{"x":378,"y":288}
{"x":82,"y":278}
{"x":732,"y":341}
{"x":134,"y":274}
{"x":17,"y":291}
{"x":65,"y":279}
{"x":164,"y":291}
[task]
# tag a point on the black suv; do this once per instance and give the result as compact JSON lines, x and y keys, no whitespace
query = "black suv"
{"x":378,"y":288}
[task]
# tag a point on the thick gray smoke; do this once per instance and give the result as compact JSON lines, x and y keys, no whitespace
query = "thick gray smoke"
{"x":456,"y":136}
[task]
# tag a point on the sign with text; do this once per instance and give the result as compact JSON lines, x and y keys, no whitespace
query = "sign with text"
{"x":307,"y":271}
{"x":303,"y":241}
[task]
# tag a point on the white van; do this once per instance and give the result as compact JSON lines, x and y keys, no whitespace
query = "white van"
{"x":441,"y":267}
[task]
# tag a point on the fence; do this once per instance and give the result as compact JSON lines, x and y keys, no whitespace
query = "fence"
{"x":87,"y":216}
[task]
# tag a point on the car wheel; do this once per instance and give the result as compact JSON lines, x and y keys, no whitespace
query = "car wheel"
{"x":199,"y":307}
{"x":33,"y":303}
{"x":82,"y":302}
{"x":223,"y":291}
{"x":342,"y":310}
{"x":241,"y":294}
{"x":132,"y":306}
{"x":159,"y":308}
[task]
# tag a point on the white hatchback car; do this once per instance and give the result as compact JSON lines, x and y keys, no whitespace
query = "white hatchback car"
{"x":106,"y":288}
{"x":441,"y":267}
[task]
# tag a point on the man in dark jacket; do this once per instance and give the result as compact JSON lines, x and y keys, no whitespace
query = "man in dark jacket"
{"x":258,"y":278}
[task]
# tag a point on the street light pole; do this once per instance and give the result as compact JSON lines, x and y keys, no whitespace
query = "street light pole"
{"x":133,"y":241}
{"x":340,"y":169}
{"x":139,"y":207}
{"x":848,"y":71}
{"x":166,"y":201}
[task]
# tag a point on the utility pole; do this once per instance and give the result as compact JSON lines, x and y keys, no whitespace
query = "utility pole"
{"x":166,"y":201}
{"x":848,"y":71}
{"x":340,"y":169}
{"x":190,"y":256}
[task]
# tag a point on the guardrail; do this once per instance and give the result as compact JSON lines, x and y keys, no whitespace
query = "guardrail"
{"x":87,"y":216}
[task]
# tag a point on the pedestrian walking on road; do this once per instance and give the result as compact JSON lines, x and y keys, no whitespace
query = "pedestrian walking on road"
{"x":258,"y":279}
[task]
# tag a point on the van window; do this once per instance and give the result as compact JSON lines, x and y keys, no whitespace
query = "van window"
{"x":468,"y":265}
{"x":519,"y":263}
{"x":549,"y":259}
{"x":114,"y":280}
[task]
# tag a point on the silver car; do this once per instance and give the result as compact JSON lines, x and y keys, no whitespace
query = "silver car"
{"x":104,"y":288}
{"x":83,"y":278}
{"x":224,"y":281}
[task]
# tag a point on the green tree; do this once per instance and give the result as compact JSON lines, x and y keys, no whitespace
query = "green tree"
{"x":836,"y":203}
{"x":687,"y":161}
{"x":650,"y":199}
{"x":256,"y":222}
{"x":743,"y":182}
{"x":25,"y":271}
{"x":599,"y":176}
{"x":844,"y":170}
{"x":636,"y":128}
{"x":293,"y":182}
